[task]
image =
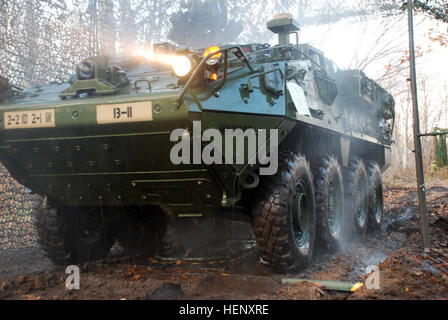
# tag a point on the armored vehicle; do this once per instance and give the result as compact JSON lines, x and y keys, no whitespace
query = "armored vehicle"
{"x":126,"y":145}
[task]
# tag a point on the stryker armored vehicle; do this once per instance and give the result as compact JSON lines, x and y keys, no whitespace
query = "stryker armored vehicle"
{"x":126,"y":145}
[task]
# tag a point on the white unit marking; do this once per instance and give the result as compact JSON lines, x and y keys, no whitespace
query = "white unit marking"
{"x":30,"y":119}
{"x":124,"y":112}
{"x":299,"y":99}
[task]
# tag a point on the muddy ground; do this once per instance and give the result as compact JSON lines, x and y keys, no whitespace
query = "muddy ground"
{"x":406,"y":271}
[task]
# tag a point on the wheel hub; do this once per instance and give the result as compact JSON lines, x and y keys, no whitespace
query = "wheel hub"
{"x":89,"y":227}
{"x":377,"y":204}
{"x":334,"y":208}
{"x":360,"y":209}
{"x":301,"y":218}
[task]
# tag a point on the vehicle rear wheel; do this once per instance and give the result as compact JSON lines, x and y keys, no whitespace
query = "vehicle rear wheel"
{"x":329,"y":195}
{"x":376,"y":200}
{"x":356,"y":197}
{"x":141,"y":230}
{"x":73,"y":235}
{"x":284,"y":215}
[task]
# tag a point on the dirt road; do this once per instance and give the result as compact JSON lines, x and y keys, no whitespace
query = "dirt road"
{"x":406,"y":272}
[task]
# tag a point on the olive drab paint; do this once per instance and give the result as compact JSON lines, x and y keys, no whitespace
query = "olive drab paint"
{"x":137,"y":132}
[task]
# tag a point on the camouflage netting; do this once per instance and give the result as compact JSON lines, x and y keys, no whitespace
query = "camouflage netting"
{"x":17,"y":213}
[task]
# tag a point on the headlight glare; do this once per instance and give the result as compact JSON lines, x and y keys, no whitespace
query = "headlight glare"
{"x":181,"y":66}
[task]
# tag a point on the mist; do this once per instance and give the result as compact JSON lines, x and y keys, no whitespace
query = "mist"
{"x":41,"y":43}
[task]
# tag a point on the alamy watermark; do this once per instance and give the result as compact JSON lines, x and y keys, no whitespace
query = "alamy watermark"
{"x":373,"y":279}
{"x":73,"y":280}
{"x":212,"y":153}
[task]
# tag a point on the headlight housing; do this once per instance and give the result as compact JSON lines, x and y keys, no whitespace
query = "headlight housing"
{"x":181,"y":66}
{"x":214,"y":59}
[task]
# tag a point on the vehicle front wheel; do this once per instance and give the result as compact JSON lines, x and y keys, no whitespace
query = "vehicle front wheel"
{"x":376,"y":200}
{"x":73,"y":235}
{"x":329,"y":194}
{"x":356,"y":197}
{"x":284,"y":215}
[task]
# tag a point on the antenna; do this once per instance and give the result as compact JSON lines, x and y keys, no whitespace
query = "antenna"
{"x":283,"y":25}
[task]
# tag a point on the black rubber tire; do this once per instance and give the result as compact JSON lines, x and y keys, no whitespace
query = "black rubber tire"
{"x":59,"y":235}
{"x":329,"y":195}
{"x":356,"y":197}
{"x":141,"y":230}
{"x":273,"y":218}
{"x":376,"y":199}
{"x":50,"y":236}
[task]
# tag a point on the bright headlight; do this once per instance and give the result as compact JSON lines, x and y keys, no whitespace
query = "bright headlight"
{"x":181,"y":66}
